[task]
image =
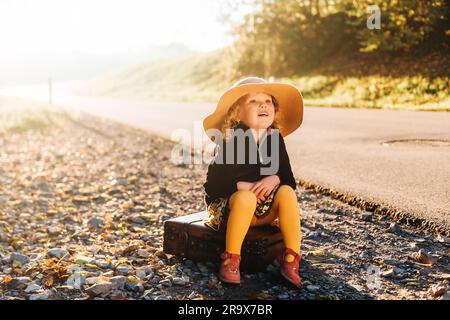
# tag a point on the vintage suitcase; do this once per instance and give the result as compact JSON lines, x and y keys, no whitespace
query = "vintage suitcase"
{"x":187,"y":236}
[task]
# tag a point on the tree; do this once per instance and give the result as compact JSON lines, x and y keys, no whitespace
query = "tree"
{"x":289,"y":37}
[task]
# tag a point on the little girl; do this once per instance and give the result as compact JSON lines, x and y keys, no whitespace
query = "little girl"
{"x":239,"y":195}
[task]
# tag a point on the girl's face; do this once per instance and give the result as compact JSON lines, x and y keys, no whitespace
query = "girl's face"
{"x":258,"y":111}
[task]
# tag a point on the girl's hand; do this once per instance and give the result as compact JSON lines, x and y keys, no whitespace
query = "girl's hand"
{"x":244,"y":185}
{"x":264,"y":187}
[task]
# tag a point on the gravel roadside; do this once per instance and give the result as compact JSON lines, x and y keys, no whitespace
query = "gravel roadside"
{"x":82,"y":208}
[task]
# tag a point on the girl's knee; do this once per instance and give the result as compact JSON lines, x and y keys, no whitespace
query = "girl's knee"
{"x":285,"y":196}
{"x":286,"y":191}
{"x":243,"y":199}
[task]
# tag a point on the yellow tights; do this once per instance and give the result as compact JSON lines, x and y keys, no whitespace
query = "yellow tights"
{"x":284,"y":207}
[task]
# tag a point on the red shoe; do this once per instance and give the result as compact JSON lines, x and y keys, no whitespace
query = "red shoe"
{"x":289,"y":270}
{"x":229,"y":272}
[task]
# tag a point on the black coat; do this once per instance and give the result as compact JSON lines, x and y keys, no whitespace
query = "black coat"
{"x":222,"y":177}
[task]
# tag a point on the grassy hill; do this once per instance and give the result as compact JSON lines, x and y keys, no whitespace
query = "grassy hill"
{"x":193,"y":77}
{"x":414,"y":82}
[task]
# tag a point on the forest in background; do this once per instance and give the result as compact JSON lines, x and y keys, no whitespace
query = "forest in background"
{"x":324,"y":47}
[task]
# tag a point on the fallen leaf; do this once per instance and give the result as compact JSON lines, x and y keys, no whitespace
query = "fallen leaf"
{"x":134,"y":279}
{"x":7,"y":279}
{"x":49,"y":281}
{"x":155,"y":189}
{"x":422,"y":258}
{"x":126,"y":205}
{"x":262,"y":296}
{"x":130,"y":249}
{"x":378,"y":260}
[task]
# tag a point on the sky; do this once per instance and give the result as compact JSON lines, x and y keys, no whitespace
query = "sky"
{"x":105,"y":26}
{"x":81,"y":38}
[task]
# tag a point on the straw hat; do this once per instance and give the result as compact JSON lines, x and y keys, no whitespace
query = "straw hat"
{"x":289,"y":98}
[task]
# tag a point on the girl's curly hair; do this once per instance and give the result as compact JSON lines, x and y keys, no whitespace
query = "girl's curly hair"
{"x":231,"y":119}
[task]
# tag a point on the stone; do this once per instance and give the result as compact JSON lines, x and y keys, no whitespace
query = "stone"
{"x":392,"y":262}
{"x":118,"y":282}
{"x":96,"y":222}
{"x":314,"y":234}
{"x":53,"y":231}
{"x":413,"y":245}
{"x":82,"y":260}
{"x":3,"y":236}
{"x":32,"y":288}
{"x":47,"y":294}
{"x":122,"y":181}
{"x":134,"y":286}
{"x":76,"y":280}
{"x":166,"y":282}
{"x":445,"y":296}
{"x":192,"y":295}
{"x":101,"y":263}
{"x":100,"y":288}
{"x":163,"y":297}
{"x":136,"y":218}
{"x":79,"y":199}
{"x":442,"y":239}
{"x":108,"y":274}
{"x":141,"y":273}
{"x":399,"y":271}
{"x":367,"y":216}
{"x":123,"y":269}
{"x":178,"y":281}
{"x":394,"y":228}
{"x":143,"y":253}
{"x":312,"y":288}
{"x":148,"y":270}
{"x":21,"y":258}
{"x":387,"y":273}
{"x":20,"y":282}
{"x":57,"y":252}
{"x":438,"y":289}
{"x":91,"y":280}
{"x":74,"y":267}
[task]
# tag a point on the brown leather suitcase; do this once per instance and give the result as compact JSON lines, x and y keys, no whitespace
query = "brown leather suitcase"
{"x":188,"y":237}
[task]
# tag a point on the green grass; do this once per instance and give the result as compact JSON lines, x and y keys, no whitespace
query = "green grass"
{"x":204,"y":77}
{"x":379,"y":92}
{"x":18,"y":115}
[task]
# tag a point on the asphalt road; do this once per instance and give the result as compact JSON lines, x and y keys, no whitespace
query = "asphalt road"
{"x":344,"y":149}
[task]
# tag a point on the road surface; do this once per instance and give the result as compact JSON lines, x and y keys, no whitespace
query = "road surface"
{"x":382,"y":156}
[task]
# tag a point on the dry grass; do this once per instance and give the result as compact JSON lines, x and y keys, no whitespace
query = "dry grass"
{"x":18,"y":115}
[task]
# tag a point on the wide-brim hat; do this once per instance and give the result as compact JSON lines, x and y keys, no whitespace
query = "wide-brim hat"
{"x":290,"y":112}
